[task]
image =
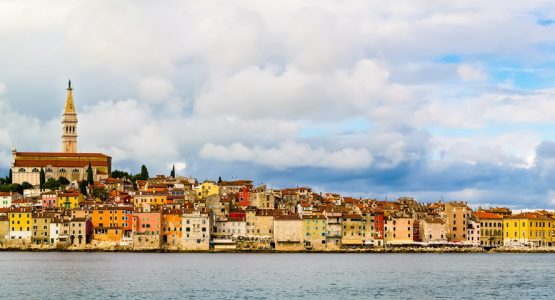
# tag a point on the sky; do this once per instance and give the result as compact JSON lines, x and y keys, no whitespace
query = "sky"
{"x":440,"y":100}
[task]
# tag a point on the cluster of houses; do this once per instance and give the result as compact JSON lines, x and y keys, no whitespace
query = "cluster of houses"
{"x":169,"y":213}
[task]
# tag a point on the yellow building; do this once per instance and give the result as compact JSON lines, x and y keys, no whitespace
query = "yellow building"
{"x":26,"y":166}
{"x":491,"y":228}
{"x":314,"y":232}
{"x":41,"y":228}
{"x":21,"y":223}
{"x":528,"y":229}
{"x":69,"y":200}
{"x":152,"y":198}
{"x":206,"y":189}
{"x":353,"y":232}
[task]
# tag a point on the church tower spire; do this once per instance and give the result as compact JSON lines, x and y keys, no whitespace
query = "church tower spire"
{"x":69,"y":124}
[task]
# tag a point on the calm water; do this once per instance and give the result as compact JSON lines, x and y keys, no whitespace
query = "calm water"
{"x":270,"y":276}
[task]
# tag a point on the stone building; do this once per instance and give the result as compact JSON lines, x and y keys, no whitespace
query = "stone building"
{"x":69,"y":163}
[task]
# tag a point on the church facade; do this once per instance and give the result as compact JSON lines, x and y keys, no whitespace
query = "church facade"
{"x":69,"y":163}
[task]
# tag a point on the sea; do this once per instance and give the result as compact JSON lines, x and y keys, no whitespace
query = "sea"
{"x":63,"y":275}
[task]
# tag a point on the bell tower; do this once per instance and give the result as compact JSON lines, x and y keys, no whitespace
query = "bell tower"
{"x":69,"y":124}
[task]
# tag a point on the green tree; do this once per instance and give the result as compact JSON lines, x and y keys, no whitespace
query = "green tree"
{"x":120,"y":174}
{"x":42,"y":178}
{"x":10,"y":177}
{"x":172,"y":173}
{"x":219,"y":179}
{"x":83,"y":187}
{"x":52,"y":184}
{"x":144,"y":173}
{"x":63,"y":181}
{"x":25,"y":186}
{"x":90,"y":179}
{"x":6,"y":188}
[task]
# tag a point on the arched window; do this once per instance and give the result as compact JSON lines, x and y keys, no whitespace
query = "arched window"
{"x":75,"y":171}
{"x":21,"y":170}
{"x":48,"y":170}
{"x":62,"y":170}
{"x":35,"y":170}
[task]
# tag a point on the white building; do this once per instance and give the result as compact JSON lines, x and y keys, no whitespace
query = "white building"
{"x":197,"y":225}
{"x":7,"y":198}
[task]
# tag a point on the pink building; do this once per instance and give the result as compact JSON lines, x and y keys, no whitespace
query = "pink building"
{"x":48,"y":199}
{"x":147,"y":228}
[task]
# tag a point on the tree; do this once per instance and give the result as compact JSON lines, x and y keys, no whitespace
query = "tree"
{"x":24,"y":186}
{"x":51,"y":184}
{"x":219,"y":179}
{"x":90,"y":179}
{"x":144,"y":173}
{"x":63,"y":181}
{"x":172,"y":173}
{"x":10,"y":178}
{"x":83,"y":187}
{"x":6,"y":188}
{"x":42,"y":178}
{"x":120,"y":174}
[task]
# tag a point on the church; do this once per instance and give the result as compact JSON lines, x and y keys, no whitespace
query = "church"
{"x":69,"y":163}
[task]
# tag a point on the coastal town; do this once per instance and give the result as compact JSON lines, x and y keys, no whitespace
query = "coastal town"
{"x":75,"y":201}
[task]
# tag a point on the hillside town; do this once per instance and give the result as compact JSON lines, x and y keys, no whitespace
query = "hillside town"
{"x":182,"y":214}
{"x":74,"y":200}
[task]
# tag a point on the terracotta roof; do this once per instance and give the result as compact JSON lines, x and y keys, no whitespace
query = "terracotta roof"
{"x":288,"y":218}
{"x":69,"y":160}
{"x":314,"y":217}
{"x":236,"y":183}
{"x":60,"y":154}
{"x":486,"y":215}
{"x":20,"y":209}
{"x":434,"y":221}
{"x":529,"y":215}
{"x":3,"y":194}
{"x":351,"y":216}
{"x":69,"y":195}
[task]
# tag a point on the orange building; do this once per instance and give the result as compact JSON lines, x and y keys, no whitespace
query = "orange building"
{"x":111,"y":223}
{"x":171,"y":227}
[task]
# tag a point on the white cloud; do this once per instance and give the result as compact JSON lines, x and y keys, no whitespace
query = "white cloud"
{"x":155,"y":89}
{"x":290,"y":155}
{"x":471,"y":73}
{"x":255,"y":93}
{"x":227,"y":82}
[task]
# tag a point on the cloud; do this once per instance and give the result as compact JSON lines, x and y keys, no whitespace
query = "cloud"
{"x":155,"y":89}
{"x":232,"y":89}
{"x":471,"y":73}
{"x":289,"y":93}
{"x":290,"y":155}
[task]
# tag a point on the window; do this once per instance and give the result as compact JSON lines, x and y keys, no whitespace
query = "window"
{"x":21,"y":170}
